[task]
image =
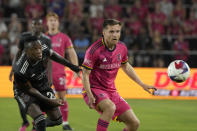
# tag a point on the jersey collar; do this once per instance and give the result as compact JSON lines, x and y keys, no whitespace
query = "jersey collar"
{"x":104,"y":44}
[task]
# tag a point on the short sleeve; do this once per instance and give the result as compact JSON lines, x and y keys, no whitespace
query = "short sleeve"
{"x":124,"y":56}
{"x":89,"y":60}
{"x":67,"y":42}
{"x":19,"y":78}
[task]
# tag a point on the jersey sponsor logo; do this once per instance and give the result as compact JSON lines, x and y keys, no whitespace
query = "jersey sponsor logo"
{"x":109,"y":66}
{"x":24,"y":67}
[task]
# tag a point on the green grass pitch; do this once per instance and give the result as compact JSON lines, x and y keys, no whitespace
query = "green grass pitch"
{"x":155,"y":115}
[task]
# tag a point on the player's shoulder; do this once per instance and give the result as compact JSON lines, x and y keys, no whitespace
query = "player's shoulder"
{"x":21,"y":65}
{"x":95,"y":47}
{"x":45,"y":36}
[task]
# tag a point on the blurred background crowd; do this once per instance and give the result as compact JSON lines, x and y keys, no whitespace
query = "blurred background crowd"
{"x":155,"y":31}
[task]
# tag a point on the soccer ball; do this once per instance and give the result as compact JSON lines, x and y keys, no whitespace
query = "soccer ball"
{"x":178,"y":71}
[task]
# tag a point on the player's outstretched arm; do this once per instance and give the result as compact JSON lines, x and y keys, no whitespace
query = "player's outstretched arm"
{"x":86,"y":85}
{"x":128,"y":69}
{"x":57,"y":58}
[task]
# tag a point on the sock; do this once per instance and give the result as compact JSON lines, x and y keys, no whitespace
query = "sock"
{"x":40,"y":123}
{"x":64,"y":111}
{"x":124,"y":129}
{"x":102,"y":125}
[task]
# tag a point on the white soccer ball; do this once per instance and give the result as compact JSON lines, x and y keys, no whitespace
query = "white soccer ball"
{"x":178,"y":71}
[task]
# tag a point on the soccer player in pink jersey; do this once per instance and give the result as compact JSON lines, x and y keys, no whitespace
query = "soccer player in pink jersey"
{"x":62,"y":44}
{"x":102,"y":61}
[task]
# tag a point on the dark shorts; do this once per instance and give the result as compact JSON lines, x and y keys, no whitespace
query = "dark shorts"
{"x":121,"y":105}
{"x":25,"y":100}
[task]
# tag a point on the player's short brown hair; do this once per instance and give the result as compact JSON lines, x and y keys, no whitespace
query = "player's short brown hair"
{"x":52,"y":14}
{"x":111,"y":22}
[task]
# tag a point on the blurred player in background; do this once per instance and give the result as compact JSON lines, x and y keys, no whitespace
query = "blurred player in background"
{"x":102,"y":61}
{"x":32,"y":86}
{"x":36,"y":33}
{"x":62,"y":44}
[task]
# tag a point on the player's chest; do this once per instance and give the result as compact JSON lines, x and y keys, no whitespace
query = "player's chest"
{"x":37,"y":72}
{"x":109,"y":57}
{"x":57,"y":42}
{"x":109,"y":60}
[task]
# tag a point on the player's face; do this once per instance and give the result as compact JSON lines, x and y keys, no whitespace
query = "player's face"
{"x":35,"y":52}
{"x":37,"y":26}
{"x":52,"y":23}
{"x":112,"y":34}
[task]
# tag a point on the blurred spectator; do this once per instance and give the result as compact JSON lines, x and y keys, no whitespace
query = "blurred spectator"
{"x":190,"y":24}
{"x":57,"y":6}
{"x":174,"y":27}
{"x":143,"y":40}
{"x":194,"y":8}
{"x":81,"y":43}
{"x":179,"y":12}
{"x":128,"y":38}
{"x":157,"y":20}
{"x":96,"y":7}
{"x":75,"y":8}
{"x":3,"y":26}
{"x":166,"y":7}
{"x":111,"y":8}
{"x":33,"y":9}
{"x":158,"y":62}
{"x":140,"y":10}
{"x":157,"y":41}
{"x":94,"y":35}
{"x":134,"y":24}
{"x":181,"y":47}
{"x":96,"y":22}
{"x":14,"y":49}
{"x":14,"y":28}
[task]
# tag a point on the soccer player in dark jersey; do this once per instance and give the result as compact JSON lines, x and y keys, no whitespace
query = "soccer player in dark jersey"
{"x":101,"y":64}
{"x":32,"y":86}
{"x":36,"y":33}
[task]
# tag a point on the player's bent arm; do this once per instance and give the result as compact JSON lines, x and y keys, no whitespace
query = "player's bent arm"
{"x":57,"y":58}
{"x":72,"y":56}
{"x":85,"y":80}
{"x":27,"y":87}
{"x":128,"y":69}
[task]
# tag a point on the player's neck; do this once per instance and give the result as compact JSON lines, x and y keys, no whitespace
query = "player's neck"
{"x":109,"y":45}
{"x":53,"y":32}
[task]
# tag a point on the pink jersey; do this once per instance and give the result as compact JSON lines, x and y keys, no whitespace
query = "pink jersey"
{"x":60,"y":42}
{"x":104,"y":64}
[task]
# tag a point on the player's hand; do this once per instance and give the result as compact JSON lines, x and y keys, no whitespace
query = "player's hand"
{"x":149,"y":89}
{"x":56,"y":102}
{"x":91,"y":101}
{"x":10,"y":76}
